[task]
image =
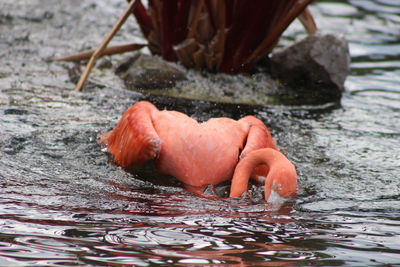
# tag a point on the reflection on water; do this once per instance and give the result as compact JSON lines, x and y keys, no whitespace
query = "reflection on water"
{"x":63,"y":203}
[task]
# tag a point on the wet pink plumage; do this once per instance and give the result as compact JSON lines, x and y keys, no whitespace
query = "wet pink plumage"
{"x":199,"y":154}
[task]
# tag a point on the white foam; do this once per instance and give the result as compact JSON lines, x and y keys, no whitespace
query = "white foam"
{"x":274,"y":197}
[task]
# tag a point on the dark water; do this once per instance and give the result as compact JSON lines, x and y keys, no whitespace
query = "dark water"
{"x":62,"y":203}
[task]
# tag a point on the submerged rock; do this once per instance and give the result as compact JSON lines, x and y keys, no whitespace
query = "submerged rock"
{"x":155,"y":76}
{"x":149,"y":72}
{"x":318,"y":64}
{"x":311,"y":71}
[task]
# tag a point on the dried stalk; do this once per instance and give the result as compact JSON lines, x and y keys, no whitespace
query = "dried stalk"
{"x":97,"y":53}
{"x":308,"y":22}
{"x":111,"y":50}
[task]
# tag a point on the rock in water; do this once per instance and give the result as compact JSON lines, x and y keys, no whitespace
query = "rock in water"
{"x":149,"y":72}
{"x":319,"y":63}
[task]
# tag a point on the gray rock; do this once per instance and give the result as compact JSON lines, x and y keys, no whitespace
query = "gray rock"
{"x":149,"y":72}
{"x":317,"y":62}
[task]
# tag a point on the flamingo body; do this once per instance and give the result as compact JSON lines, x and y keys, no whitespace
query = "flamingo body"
{"x":197,"y":154}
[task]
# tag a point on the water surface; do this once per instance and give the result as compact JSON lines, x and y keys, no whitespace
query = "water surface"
{"x":63,"y":203}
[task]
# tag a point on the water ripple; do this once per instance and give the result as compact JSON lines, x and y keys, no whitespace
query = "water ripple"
{"x":64,"y":204}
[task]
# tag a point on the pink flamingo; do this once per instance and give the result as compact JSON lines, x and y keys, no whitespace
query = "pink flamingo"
{"x":200,"y":154}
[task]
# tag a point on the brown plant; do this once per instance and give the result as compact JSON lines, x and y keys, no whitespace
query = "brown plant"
{"x":228,"y":36}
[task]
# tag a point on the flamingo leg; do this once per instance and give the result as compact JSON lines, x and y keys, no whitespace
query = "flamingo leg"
{"x":199,"y":191}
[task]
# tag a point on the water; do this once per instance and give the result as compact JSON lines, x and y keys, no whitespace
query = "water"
{"x":63,"y":203}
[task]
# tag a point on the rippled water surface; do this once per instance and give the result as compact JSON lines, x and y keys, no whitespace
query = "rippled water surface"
{"x":63,"y":203}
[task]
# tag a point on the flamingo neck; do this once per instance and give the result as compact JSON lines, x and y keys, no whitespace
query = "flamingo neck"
{"x":276,"y":162}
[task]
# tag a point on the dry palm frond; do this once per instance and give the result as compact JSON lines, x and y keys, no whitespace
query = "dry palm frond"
{"x":220,"y":35}
{"x":111,"y":50}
